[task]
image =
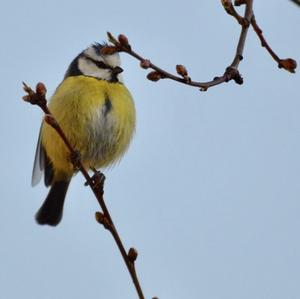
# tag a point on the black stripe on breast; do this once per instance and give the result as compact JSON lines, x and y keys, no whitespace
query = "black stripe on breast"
{"x":107,"y":106}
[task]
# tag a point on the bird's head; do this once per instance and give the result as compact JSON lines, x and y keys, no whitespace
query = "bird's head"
{"x":91,"y":62}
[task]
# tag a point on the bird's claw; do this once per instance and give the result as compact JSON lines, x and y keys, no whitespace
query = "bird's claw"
{"x":97,"y":179}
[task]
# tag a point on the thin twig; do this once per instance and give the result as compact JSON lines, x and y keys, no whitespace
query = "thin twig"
{"x":96,"y":182}
{"x":288,"y":64}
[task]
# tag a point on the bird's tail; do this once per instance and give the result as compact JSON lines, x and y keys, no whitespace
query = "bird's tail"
{"x":51,"y":210}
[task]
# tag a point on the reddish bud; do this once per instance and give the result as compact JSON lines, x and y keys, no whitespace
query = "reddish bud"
{"x":41,"y":89}
{"x":145,"y":64}
{"x":26,"y":98}
{"x":181,"y":70}
{"x":154,"y":76}
{"x":123,"y":40}
{"x":37,"y":97}
{"x":102,"y":219}
{"x":99,"y":217}
{"x":132,"y":254}
{"x":288,"y":64}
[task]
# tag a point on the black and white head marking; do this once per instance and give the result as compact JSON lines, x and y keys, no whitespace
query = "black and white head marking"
{"x":92,"y":63}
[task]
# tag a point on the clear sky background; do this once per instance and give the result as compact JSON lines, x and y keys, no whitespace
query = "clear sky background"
{"x":209,"y":190}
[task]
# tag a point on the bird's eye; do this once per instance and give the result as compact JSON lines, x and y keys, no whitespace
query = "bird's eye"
{"x":101,"y":64}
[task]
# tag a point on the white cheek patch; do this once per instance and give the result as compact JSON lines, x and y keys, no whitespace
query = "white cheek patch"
{"x":113,"y":60}
{"x":88,"y":68}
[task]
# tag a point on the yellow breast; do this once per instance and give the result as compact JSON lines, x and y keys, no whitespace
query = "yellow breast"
{"x":98,"y":118}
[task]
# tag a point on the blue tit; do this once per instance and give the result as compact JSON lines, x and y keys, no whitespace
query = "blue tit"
{"x":96,"y":112}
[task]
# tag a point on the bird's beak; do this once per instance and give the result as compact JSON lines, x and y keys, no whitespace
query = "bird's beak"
{"x":117,"y":70}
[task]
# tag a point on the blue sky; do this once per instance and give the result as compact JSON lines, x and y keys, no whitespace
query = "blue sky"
{"x":209,"y":190}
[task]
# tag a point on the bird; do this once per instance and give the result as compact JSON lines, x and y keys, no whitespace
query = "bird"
{"x":96,"y":112}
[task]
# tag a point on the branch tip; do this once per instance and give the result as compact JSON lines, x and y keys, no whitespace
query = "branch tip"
{"x":36,"y":97}
{"x":123,"y":40}
{"x":111,"y":38}
{"x":288,"y":64}
{"x":41,"y":89}
{"x":26,"y":88}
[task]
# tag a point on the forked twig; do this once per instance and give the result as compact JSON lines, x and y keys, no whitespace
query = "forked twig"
{"x":231,"y":73}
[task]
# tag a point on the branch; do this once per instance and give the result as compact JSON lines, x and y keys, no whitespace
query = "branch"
{"x":231,"y":73}
{"x":296,"y":2}
{"x":96,"y":182}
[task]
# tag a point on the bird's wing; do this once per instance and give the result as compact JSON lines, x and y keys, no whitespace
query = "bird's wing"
{"x":41,"y":165}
